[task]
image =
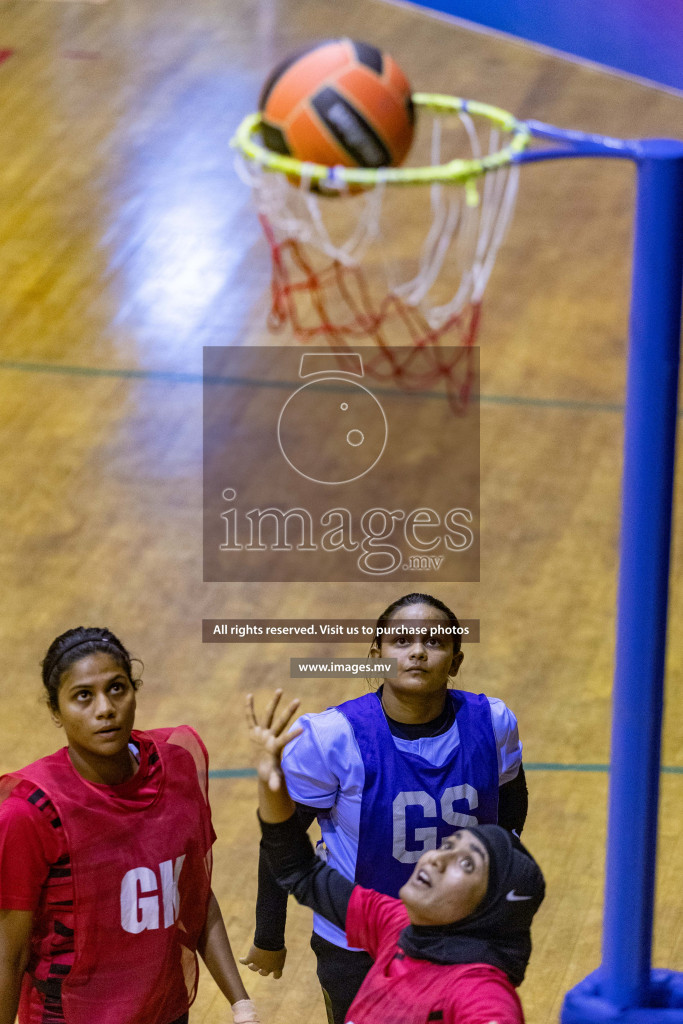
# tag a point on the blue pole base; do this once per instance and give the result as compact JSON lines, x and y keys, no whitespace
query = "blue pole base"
{"x":585,"y":1004}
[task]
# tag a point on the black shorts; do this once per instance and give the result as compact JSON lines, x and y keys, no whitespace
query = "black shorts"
{"x":341,"y":973}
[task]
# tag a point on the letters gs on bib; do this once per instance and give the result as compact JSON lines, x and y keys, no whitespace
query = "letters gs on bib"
{"x":150,"y":899}
{"x":410,"y":838}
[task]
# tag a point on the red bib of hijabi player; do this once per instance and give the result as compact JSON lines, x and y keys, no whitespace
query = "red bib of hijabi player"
{"x":141,"y":875}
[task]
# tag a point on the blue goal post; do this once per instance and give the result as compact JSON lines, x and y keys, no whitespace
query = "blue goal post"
{"x":625,"y":988}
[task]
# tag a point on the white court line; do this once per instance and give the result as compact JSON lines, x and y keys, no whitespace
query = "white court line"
{"x":78,"y":1}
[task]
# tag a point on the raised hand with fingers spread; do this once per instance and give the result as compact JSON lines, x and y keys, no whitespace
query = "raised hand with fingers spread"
{"x":269,"y":739}
{"x":452,"y":948}
{"x":372,"y":767}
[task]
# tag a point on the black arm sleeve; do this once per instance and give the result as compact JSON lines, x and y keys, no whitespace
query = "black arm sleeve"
{"x":307,"y":877}
{"x":271,"y":900}
{"x":513,"y":803}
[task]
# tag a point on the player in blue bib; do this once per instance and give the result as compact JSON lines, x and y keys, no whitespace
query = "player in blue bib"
{"x":389,"y":775}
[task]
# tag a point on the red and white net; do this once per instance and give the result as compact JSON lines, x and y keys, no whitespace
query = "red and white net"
{"x":404,"y":266}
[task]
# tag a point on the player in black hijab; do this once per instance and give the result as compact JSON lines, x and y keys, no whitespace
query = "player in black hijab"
{"x":498,"y":931}
{"x":467,"y":908}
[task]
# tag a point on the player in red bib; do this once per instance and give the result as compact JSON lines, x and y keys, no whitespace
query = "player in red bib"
{"x":105,"y":859}
{"x":389,"y":775}
{"x":455,"y":945}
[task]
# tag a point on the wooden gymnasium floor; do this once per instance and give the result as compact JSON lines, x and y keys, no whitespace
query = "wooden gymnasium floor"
{"x":128,"y":243}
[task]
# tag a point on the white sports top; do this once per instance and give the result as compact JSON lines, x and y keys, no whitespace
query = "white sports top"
{"x":324,"y":769}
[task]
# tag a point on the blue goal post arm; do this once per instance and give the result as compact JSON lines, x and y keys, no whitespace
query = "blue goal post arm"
{"x":579,"y":144}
